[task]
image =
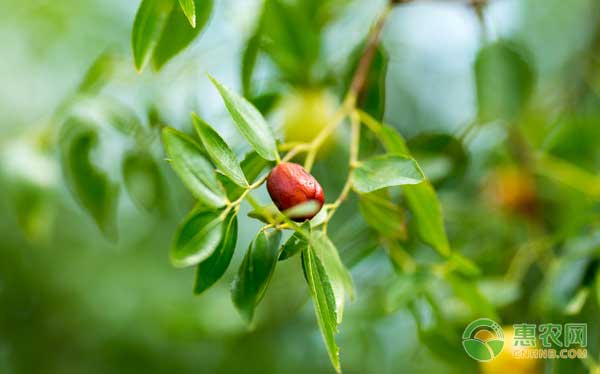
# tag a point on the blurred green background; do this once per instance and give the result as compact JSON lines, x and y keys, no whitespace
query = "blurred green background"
{"x":73,"y":301}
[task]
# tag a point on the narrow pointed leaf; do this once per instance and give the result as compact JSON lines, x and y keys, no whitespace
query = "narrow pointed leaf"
{"x":178,"y":33}
{"x":192,"y":167}
{"x":338,"y":274}
{"x":250,"y":123}
{"x":295,"y":244}
{"x":219,"y":152}
{"x":91,"y":187}
{"x":143,"y":180}
{"x":504,"y":81}
{"x":324,"y":302}
{"x":197,"y":237}
{"x":386,"y":171}
{"x":382,"y":214}
{"x":149,"y":22}
{"x":252,"y":165}
{"x":255,"y":272}
{"x":427,"y":211}
{"x":212,"y":269}
{"x":189,"y":9}
{"x":421,"y":198}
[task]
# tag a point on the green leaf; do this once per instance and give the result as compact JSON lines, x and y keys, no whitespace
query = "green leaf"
{"x":467,"y":291}
{"x":504,"y":81}
{"x":98,"y":74}
{"x":192,"y":167}
{"x":255,"y":272}
{"x":147,"y":27}
{"x":382,"y":214}
{"x":252,"y":165}
{"x":338,"y":274}
{"x":401,"y":292}
{"x":212,"y":269}
{"x":324,"y":302}
{"x":425,"y":206}
{"x":250,"y":123}
{"x":372,"y":97}
{"x":266,"y":214}
{"x":189,"y":9}
{"x":219,"y":151}
{"x":392,"y":141}
{"x":422,"y":199}
{"x":598,"y":287}
{"x":386,"y":171}
{"x":197,"y":237}
{"x":143,"y":180}
{"x":249,"y":61}
{"x":295,"y":244}
{"x":91,"y":187}
{"x":178,"y":33}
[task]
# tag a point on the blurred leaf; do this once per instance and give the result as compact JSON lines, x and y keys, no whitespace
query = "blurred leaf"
{"x":122,"y":118}
{"x":197,"y":237}
{"x":189,"y":9}
{"x":249,"y":122}
{"x":178,"y":34}
{"x":265,"y":102}
{"x":295,"y":244}
{"x":34,"y":209}
{"x":249,"y":62}
{"x":194,"y":170}
{"x":427,"y":211}
{"x":500,"y":292}
{"x":391,"y":139}
{"x":386,"y":171}
{"x":568,"y":174}
{"x":462,"y":265}
{"x":255,"y":272}
{"x":504,"y":81}
{"x":291,"y":38}
{"x":98,"y":74}
{"x":441,"y":156}
{"x":577,"y":302}
{"x":91,"y":187}
{"x":372,"y":97}
{"x":382,"y":214}
{"x":560,"y":285}
{"x":337,"y":273}
{"x":212,"y":269}
{"x":401,"y":292}
{"x":219,"y":151}
{"x":143,"y":180}
{"x":421,"y":198}
{"x":467,"y":291}
{"x":598,"y":287}
{"x":147,"y":27}
{"x":324,"y":302}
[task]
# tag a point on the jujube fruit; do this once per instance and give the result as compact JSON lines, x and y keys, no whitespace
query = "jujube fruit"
{"x":290,"y":185}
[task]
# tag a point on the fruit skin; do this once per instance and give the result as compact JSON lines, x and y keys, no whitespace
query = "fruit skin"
{"x":289,"y":185}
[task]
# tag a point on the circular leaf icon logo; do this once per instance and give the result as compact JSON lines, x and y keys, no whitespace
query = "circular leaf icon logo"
{"x":483,"y":339}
